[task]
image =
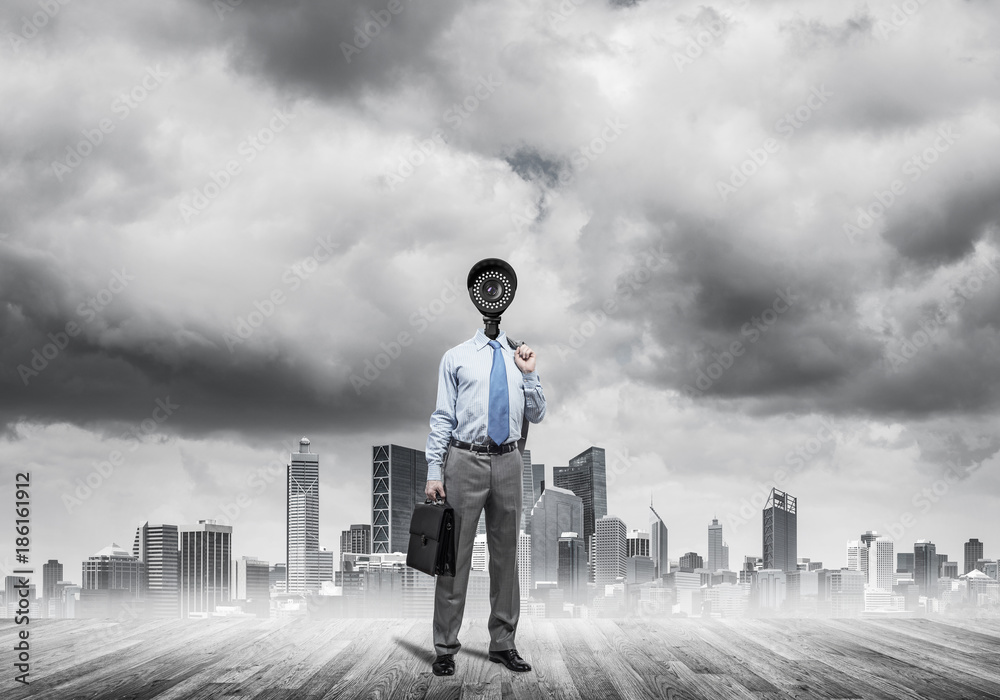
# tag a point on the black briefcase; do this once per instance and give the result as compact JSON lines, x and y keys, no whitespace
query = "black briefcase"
{"x":432,"y":539}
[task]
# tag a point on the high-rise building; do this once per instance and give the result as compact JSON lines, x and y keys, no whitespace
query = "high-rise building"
{"x":772,"y":588}
{"x":942,"y":559}
{"x":157,"y":546}
{"x":527,"y":490}
{"x":715,"y":545}
{"x":524,"y":564}
{"x":538,"y":485}
{"x":658,"y":544}
{"x":639,"y":569}
{"x":950,"y":570}
{"x":925,"y":567}
{"x":357,"y":540}
{"x":52,"y":573}
{"x":857,"y":556}
{"x":638,"y":543}
{"x":572,"y":572}
{"x":277,"y":576}
{"x":611,"y":550}
{"x":780,"y":532}
{"x":302,"y":531}
{"x":725,"y":557}
{"x":881,"y":564}
{"x":691,"y":561}
{"x":249,"y":578}
{"x":206,"y":550}
{"x":586,"y":476}
{"x":113,"y":568}
{"x":973,"y":553}
{"x":904,"y":562}
{"x":399,"y":476}
{"x":558,"y":510}
{"x":869,"y":537}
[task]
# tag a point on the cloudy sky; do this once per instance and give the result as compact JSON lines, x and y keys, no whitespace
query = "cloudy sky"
{"x":757,"y":245}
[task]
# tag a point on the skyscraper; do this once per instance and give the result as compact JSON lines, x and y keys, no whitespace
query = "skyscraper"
{"x":715,"y":546}
{"x":52,"y":573}
{"x":780,"y":532}
{"x":925,"y":567}
{"x":399,"y":475}
{"x":857,"y":556}
{"x":557,"y":511}
{"x":881,"y":564}
{"x":302,"y":532}
{"x":586,"y":476}
{"x":572,"y":572}
{"x":690,"y":561}
{"x":538,"y":475}
{"x":356,"y":540}
{"x":904,"y":562}
{"x":113,"y":568}
{"x":206,"y":550}
{"x":157,"y":546}
{"x":869,"y":537}
{"x":658,"y":544}
{"x":973,"y":553}
{"x":611,"y":550}
{"x":638,"y":543}
{"x":524,"y":564}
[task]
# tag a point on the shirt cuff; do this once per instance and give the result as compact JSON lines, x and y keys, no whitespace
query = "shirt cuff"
{"x":433,"y":473}
{"x":531,"y":378}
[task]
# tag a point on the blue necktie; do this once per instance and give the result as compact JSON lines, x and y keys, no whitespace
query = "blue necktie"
{"x":499,"y":422}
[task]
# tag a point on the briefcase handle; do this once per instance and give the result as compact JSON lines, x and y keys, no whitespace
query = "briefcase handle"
{"x":436,"y":502}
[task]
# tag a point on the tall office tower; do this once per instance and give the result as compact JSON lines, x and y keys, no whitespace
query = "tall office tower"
{"x":399,"y":475}
{"x":249,"y":578}
{"x":925,"y":567}
{"x":527,"y":490}
{"x":524,"y":564}
{"x":725,"y":557}
{"x":780,"y":532}
{"x":538,"y":485}
{"x":206,"y":549}
{"x":611,"y":550}
{"x":357,"y":540}
{"x":156,"y":546}
{"x":869,"y":537}
{"x":857,"y":557}
{"x":572,"y":570}
{"x":691,"y":561}
{"x":950,"y":570}
{"x":658,"y":544}
{"x":973,"y":553}
{"x":586,"y":476}
{"x":638,"y":543}
{"x":480,"y":554}
{"x":302,"y":527}
{"x":557,"y":511}
{"x":715,"y":546}
{"x":881,"y":564}
{"x":904,"y":562}
{"x":942,"y":559}
{"x":52,"y":573}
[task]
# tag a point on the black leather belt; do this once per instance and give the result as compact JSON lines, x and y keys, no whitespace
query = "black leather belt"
{"x":488,"y":449}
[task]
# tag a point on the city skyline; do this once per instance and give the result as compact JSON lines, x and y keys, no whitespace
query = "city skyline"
{"x":411,"y":455}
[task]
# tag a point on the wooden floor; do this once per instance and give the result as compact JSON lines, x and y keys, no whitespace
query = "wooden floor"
{"x":602,"y":659}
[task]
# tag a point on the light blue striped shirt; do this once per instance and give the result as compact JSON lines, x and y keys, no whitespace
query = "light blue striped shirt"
{"x":463,"y":397}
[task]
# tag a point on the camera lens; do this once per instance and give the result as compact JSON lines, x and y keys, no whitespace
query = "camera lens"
{"x":491,"y":289}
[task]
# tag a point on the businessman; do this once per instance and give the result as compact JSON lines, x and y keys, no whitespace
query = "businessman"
{"x":484,"y":389}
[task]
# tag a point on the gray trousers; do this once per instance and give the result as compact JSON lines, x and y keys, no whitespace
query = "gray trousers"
{"x":474,"y":481}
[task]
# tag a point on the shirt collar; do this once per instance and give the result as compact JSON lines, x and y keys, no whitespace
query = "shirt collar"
{"x":481,"y":341}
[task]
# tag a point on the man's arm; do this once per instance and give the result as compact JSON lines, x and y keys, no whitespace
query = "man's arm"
{"x":443,"y":421}
{"x":534,"y":399}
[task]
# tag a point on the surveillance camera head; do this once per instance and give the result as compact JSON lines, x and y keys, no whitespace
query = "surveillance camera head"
{"x":492,"y":284}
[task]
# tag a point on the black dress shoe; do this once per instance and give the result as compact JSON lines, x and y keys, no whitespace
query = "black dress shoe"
{"x":444,"y":665}
{"x":511,"y":659}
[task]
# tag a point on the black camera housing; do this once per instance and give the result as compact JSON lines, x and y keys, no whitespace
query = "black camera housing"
{"x":492,"y":284}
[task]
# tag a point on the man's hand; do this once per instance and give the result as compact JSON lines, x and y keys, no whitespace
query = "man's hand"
{"x":433,"y":488}
{"x":524,"y":357}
